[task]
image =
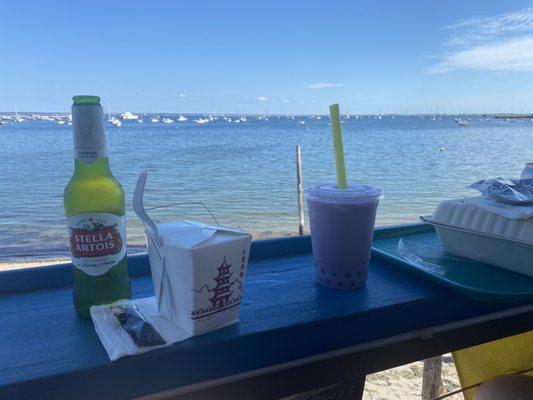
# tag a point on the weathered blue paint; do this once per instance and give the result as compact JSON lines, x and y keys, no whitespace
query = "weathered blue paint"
{"x":46,"y":351}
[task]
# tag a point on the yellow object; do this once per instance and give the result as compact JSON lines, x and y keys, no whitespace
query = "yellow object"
{"x":485,"y":361}
{"x":337,"y":145}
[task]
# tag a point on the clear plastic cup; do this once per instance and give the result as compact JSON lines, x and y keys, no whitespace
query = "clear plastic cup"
{"x":342,"y":225}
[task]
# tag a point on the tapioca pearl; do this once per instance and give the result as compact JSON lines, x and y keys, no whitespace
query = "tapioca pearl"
{"x":348,"y":276}
{"x":340,"y":284}
{"x":352,"y":283}
{"x":322,"y":270}
{"x":334,"y":274}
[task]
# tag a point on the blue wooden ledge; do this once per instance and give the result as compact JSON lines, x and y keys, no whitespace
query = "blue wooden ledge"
{"x":293,"y":335}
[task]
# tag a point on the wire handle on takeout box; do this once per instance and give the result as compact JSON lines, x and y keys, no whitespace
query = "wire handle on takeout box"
{"x":185,"y":204}
{"x":149,"y":223}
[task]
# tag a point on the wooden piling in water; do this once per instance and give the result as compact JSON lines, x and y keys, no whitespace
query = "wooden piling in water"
{"x":299,"y":189}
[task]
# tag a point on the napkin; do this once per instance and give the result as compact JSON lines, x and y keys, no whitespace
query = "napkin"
{"x":118,"y":343}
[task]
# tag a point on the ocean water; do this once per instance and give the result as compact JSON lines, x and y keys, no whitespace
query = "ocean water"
{"x":245,"y":172}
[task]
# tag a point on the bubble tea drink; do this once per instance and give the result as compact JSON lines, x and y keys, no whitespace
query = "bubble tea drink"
{"x":342,"y":220}
{"x":342,"y":225}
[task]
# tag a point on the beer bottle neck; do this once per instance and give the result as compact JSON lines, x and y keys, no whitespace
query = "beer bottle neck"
{"x":88,"y":130}
{"x":95,"y":169}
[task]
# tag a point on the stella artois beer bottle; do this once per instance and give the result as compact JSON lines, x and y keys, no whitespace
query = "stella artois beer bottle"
{"x":96,"y":220}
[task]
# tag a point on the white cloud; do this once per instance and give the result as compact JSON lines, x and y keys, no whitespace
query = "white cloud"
{"x":182,"y":95}
{"x":496,"y":43}
{"x":479,"y":27}
{"x":323,"y":85}
{"x":262,"y":98}
{"x":510,"y":55}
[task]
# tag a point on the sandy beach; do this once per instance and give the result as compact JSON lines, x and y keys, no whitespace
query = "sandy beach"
{"x":400,"y":383}
{"x":4,"y":266}
{"x":405,"y":382}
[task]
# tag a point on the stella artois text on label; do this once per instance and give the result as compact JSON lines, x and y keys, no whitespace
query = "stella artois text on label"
{"x":96,"y":220}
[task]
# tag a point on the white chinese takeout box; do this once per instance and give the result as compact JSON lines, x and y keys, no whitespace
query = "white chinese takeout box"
{"x":197,"y":269}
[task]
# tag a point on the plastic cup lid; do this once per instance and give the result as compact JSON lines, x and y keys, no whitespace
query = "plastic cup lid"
{"x":352,"y":194}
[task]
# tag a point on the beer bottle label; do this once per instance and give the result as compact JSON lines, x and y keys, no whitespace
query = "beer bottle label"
{"x":89,"y":136}
{"x":97,"y":241}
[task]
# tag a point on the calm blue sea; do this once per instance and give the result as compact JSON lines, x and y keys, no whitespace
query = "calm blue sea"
{"x":245,"y":172}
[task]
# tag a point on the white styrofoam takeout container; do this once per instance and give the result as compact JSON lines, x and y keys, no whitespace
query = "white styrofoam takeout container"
{"x":197,"y":269}
{"x":467,"y":230}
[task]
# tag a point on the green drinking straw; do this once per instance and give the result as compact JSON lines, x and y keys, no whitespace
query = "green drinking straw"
{"x":337,"y":145}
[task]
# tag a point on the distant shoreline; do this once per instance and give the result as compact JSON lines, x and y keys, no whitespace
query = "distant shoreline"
{"x":500,"y":115}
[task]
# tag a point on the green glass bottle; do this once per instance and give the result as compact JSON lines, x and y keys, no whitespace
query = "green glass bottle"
{"x":95,"y":210}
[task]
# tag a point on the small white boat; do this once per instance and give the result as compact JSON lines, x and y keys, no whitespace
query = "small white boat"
{"x":154,"y":119}
{"x":301,"y":122}
{"x":61,"y":122}
{"x":18,"y":118}
{"x":167,"y":120}
{"x":243,"y":119}
{"x":181,"y":118}
{"x":115,"y":121}
{"x":201,"y":120}
{"x":110,"y":118}
{"x":127,"y":115}
{"x":462,"y":122}
{"x":140,"y":121}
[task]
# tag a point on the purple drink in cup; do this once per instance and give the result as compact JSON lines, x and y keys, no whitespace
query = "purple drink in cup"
{"x":342,"y":226}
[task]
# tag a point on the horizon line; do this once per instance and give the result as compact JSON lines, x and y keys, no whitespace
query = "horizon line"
{"x":499,"y":113}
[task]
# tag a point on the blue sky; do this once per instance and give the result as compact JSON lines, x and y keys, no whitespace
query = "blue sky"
{"x":268,"y":56}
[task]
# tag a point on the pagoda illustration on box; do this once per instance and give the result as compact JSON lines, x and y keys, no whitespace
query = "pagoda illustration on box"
{"x":222,"y":291}
{"x":224,"y":294}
